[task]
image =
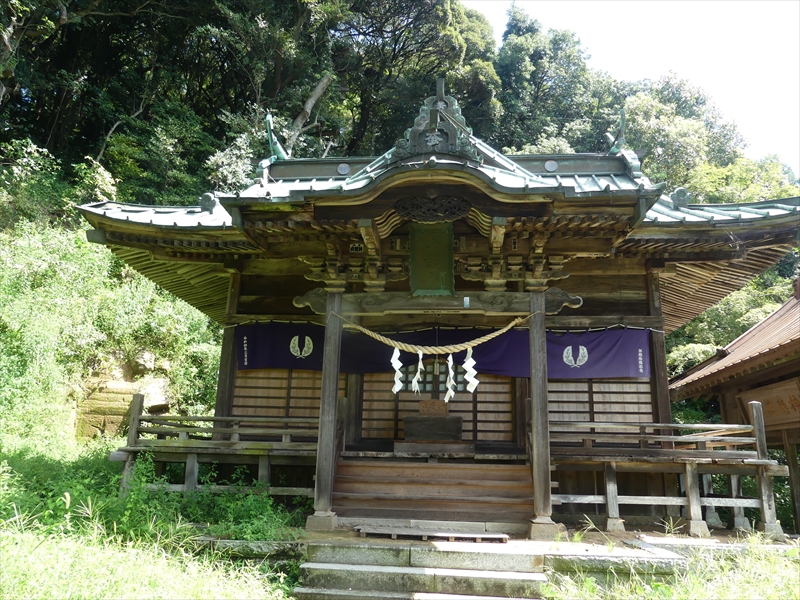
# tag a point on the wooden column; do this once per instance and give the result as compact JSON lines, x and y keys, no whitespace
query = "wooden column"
{"x":660,"y":380}
{"x":794,"y":477}
{"x":323,"y":517}
{"x":706,"y":490}
{"x":541,"y":524}
{"x":697,"y":527}
{"x":136,"y":408}
{"x":352,"y":412}
{"x":769,"y":520}
{"x":738,"y":520}
{"x":613,"y":522}
{"x":190,"y":473}
{"x":228,"y":358}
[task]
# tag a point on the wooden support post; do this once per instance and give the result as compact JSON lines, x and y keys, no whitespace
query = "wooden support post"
{"x":769,"y":520}
{"x":128,"y":470}
{"x":226,"y":378}
{"x":264,"y":474}
{"x":659,"y":377}
{"x":613,"y":522}
{"x":794,"y":477}
{"x":137,"y":405}
{"x":697,"y":527}
{"x":707,"y":489}
{"x":324,"y":517}
{"x":542,"y":524}
{"x":190,"y":474}
{"x":738,"y":521}
{"x":354,"y":392}
{"x":228,"y":361}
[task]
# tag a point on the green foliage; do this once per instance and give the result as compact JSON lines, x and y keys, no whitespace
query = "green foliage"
{"x":32,"y":185}
{"x":743,"y":180}
{"x":72,"y":489}
{"x":66,"y":532}
{"x":671,"y":144}
{"x":69,"y":309}
{"x":757,"y":572}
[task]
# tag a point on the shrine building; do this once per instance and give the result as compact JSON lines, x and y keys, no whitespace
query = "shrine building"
{"x":445,"y":333}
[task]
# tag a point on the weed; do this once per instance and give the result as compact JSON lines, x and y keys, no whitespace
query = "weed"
{"x":672,"y":526}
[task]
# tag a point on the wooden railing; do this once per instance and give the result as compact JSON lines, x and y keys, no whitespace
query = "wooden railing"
{"x":167,"y":428}
{"x":183,"y":439}
{"x":695,"y":450}
{"x":649,"y":439}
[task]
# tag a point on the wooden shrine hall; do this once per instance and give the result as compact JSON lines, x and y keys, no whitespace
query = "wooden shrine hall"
{"x":447,"y":333}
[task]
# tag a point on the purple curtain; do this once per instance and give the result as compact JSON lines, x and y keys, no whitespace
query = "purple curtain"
{"x":589,"y":355}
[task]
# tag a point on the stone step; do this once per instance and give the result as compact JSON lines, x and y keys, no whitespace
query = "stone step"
{"x":304,"y":593}
{"x":450,"y":555}
{"x":380,"y":578}
{"x":514,"y":556}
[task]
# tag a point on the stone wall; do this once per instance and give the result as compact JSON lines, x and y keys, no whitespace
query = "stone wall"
{"x":104,"y":410}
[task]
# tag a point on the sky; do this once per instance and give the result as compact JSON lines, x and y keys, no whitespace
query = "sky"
{"x":745,"y":55}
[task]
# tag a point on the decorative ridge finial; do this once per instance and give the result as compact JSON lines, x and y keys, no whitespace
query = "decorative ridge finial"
{"x":439,"y":128}
{"x":616,"y":142}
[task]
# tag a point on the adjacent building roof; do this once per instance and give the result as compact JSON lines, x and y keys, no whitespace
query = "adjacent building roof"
{"x":773,"y":340}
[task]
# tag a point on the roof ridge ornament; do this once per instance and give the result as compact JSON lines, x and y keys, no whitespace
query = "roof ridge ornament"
{"x":616,"y":141}
{"x":439,"y":128}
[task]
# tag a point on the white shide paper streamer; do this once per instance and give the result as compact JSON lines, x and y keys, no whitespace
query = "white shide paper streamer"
{"x":451,"y":384}
{"x":469,"y":376}
{"x":398,"y":376}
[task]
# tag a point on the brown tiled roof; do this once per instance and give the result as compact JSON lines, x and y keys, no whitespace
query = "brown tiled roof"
{"x":776,"y":338}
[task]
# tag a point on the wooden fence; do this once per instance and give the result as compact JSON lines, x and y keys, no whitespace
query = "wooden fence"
{"x":238,"y":440}
{"x":690,"y":450}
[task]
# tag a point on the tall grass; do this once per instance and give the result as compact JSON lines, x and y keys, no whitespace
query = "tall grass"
{"x":756,"y":572}
{"x":45,"y":564}
{"x":65,"y":530}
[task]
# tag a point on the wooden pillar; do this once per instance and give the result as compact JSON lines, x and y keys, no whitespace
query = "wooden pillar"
{"x":769,"y":520}
{"x":542,"y":524}
{"x":794,"y":477}
{"x":697,"y":527}
{"x":136,"y":408}
{"x":707,"y":489}
{"x":659,"y":378}
{"x":738,"y":521}
{"x":613,"y":522}
{"x":264,"y":470}
{"x":350,"y":416}
{"x":323,"y":517}
{"x":190,"y":473}
{"x":228,"y":359}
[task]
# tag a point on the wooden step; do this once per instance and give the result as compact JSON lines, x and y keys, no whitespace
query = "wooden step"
{"x":467,"y":514}
{"x":376,"y":485}
{"x":442,"y":471}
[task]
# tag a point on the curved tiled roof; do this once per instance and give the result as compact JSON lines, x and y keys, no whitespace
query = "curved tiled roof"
{"x":668,"y":211}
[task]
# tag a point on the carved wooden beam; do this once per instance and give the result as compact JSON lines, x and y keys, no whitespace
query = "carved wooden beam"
{"x":477,"y":303}
{"x":372,"y":239}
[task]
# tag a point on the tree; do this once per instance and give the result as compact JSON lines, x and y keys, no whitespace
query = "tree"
{"x":389,"y":51}
{"x":743,"y":180}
